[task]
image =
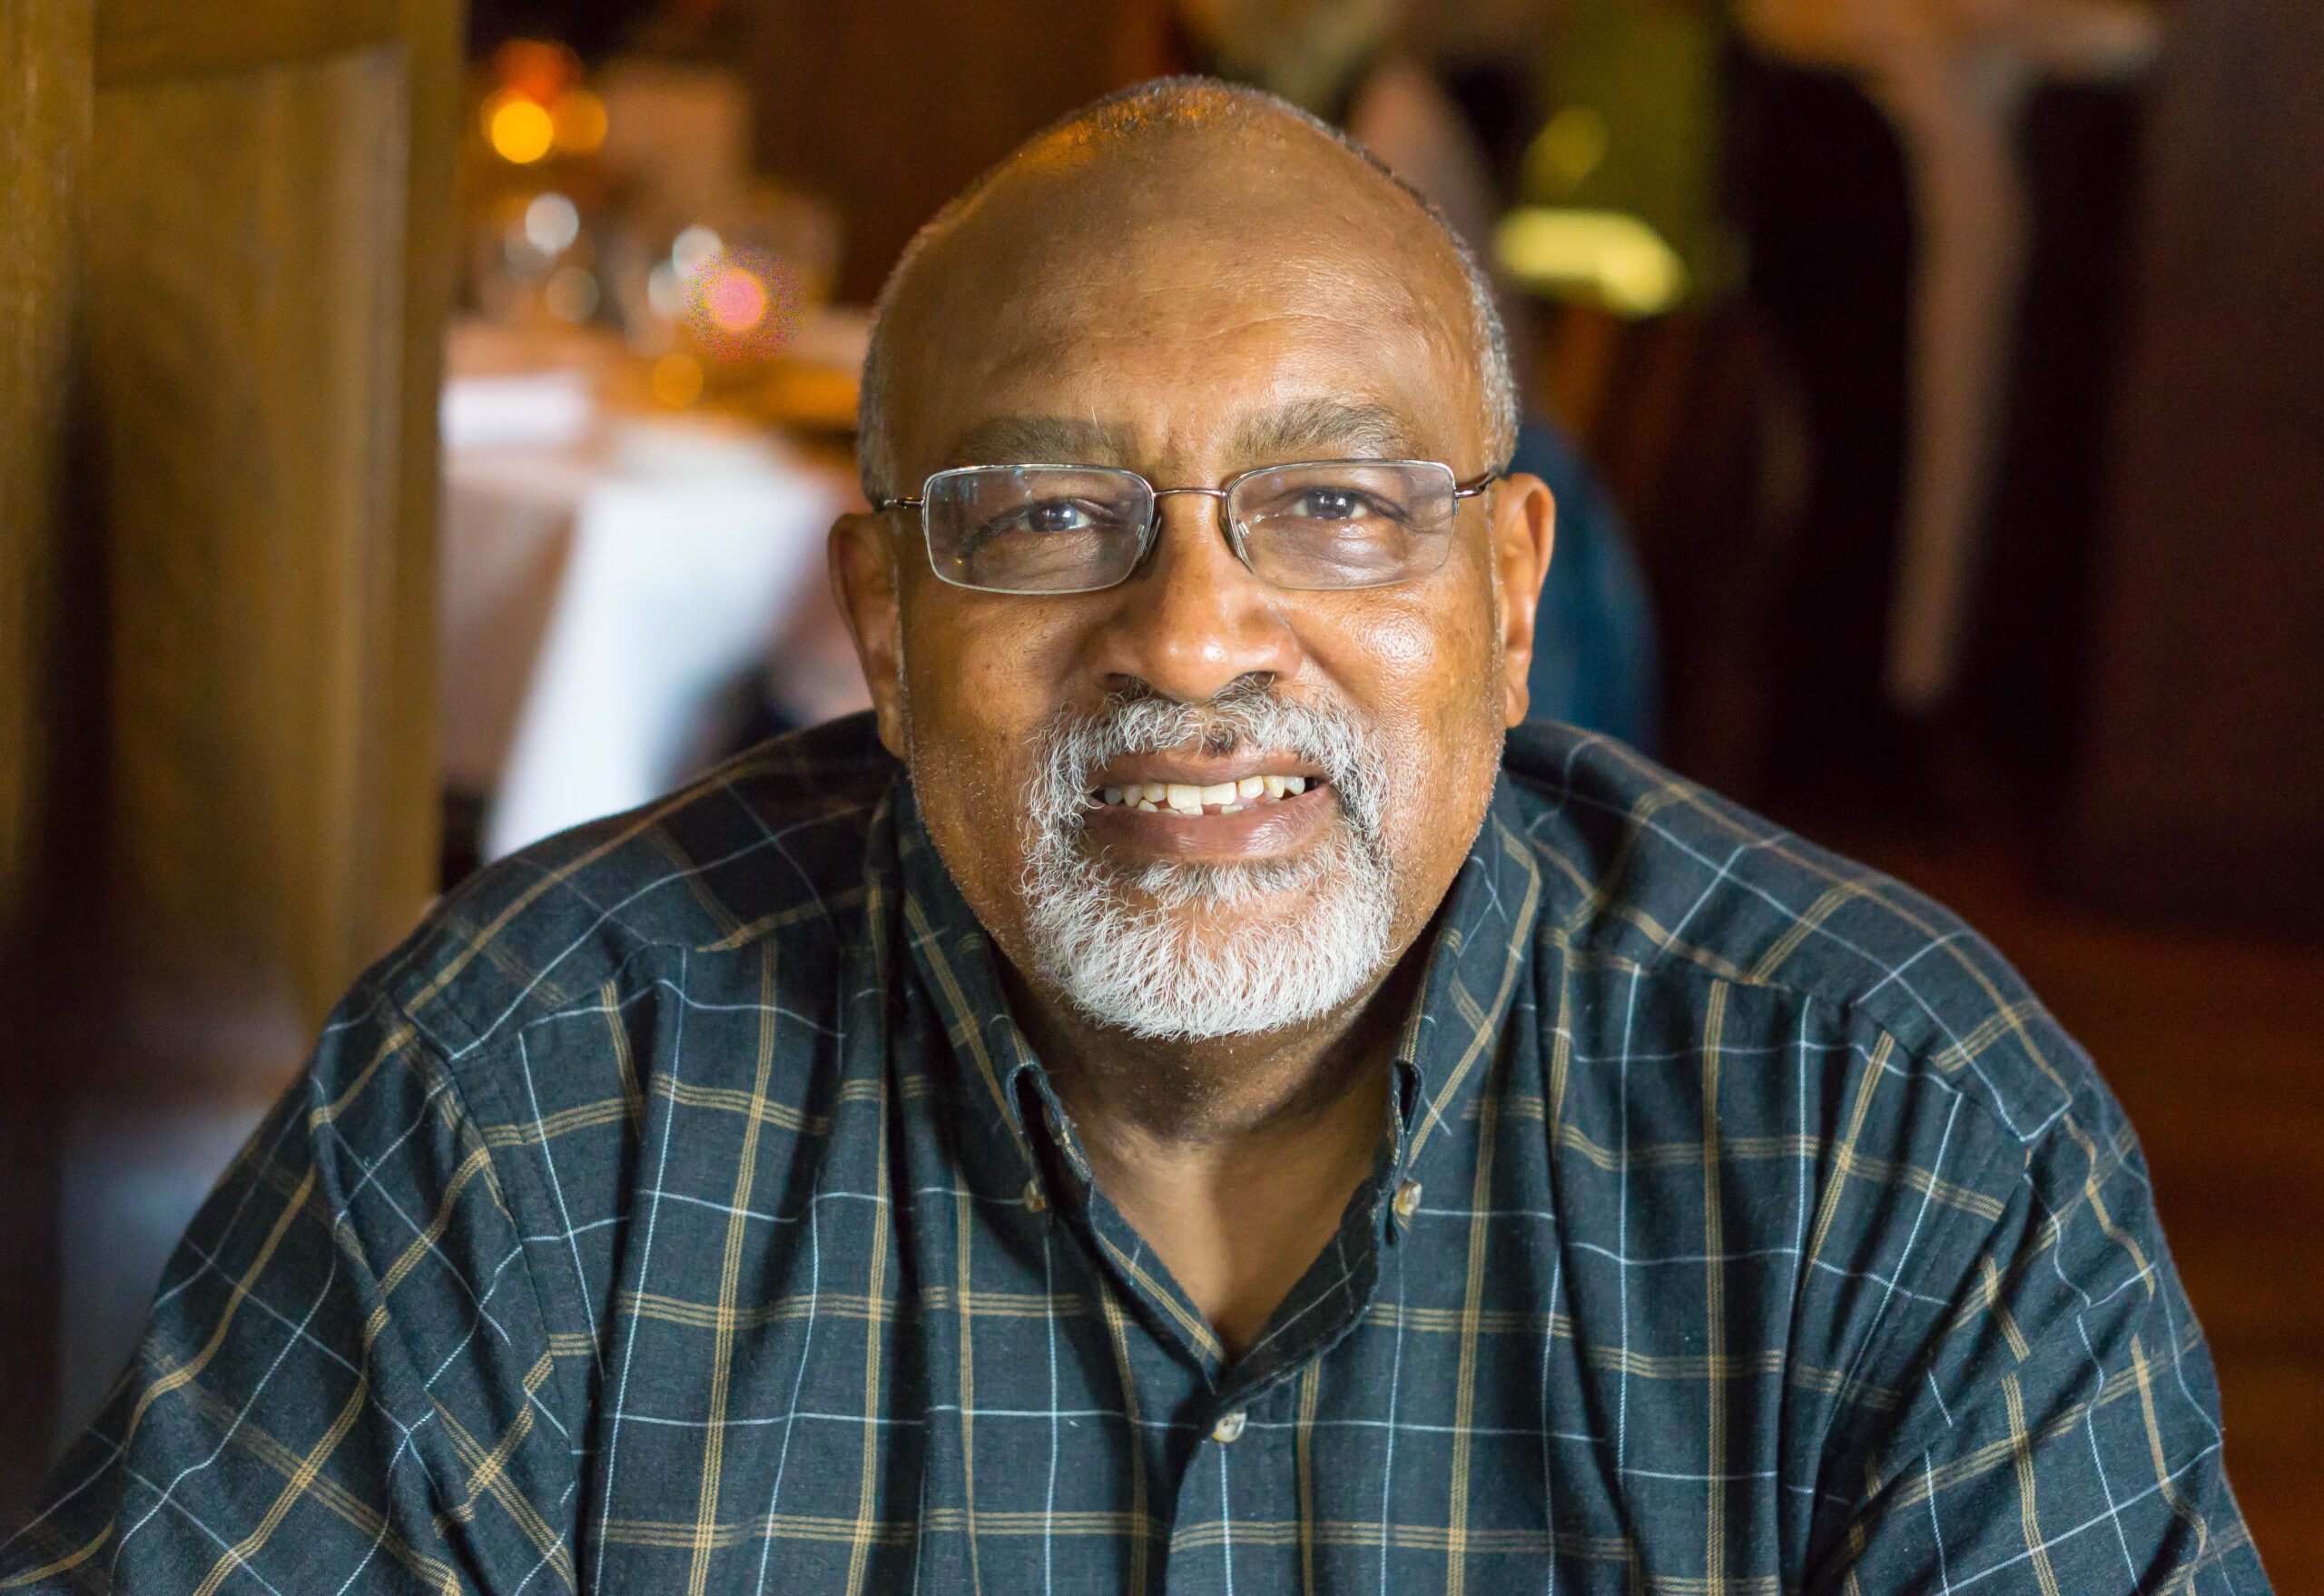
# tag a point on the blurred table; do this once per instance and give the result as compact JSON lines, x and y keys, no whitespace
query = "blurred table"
{"x":612,"y":574}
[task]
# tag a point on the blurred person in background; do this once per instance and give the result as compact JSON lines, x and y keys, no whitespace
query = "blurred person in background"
{"x":1192,"y":1089}
{"x":1595,"y":664}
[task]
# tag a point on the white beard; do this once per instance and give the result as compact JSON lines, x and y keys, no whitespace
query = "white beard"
{"x":1200,"y":950}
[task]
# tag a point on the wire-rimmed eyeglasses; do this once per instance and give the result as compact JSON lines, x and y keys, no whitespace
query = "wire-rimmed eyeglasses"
{"x":1319,"y":525}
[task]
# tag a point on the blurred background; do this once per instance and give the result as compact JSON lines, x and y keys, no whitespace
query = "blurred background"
{"x":419,"y":426}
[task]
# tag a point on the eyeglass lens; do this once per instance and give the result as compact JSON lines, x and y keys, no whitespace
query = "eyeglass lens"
{"x":1072,"y":529}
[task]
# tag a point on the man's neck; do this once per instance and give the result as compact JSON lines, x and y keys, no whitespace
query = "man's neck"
{"x":1233,"y":1158}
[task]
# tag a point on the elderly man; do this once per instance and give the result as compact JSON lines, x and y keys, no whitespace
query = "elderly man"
{"x":1179,"y":1099}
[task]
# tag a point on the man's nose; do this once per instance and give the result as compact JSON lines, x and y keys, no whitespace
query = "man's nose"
{"x":1193,"y":617}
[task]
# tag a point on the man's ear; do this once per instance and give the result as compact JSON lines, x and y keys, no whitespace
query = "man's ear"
{"x":1524,"y":530}
{"x":863,"y":579}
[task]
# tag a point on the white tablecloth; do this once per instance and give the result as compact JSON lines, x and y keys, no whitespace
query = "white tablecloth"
{"x":605,"y":585}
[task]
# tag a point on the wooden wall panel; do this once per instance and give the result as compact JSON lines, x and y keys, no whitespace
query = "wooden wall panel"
{"x":887,"y":107}
{"x":399,"y":857}
{"x":2203,"y":790}
{"x":225,"y":260}
{"x":44,"y":122}
{"x":245,"y":285}
{"x":146,"y":40}
{"x":44,"y":116}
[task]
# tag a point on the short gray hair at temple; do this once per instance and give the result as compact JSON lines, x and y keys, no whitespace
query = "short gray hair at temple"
{"x":1123,"y":113}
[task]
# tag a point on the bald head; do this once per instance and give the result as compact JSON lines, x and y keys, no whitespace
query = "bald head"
{"x":1179,"y":190}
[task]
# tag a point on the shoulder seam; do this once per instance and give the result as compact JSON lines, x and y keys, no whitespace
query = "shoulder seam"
{"x":463,"y":1090}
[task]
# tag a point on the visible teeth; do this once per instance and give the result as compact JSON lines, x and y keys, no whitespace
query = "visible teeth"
{"x":1190,"y":798}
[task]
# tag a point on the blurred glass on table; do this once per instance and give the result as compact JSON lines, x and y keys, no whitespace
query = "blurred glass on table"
{"x":643,"y":420}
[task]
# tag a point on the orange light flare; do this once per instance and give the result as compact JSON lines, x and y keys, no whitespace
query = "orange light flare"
{"x":518,"y":129}
{"x":535,"y":69}
{"x":538,"y":104}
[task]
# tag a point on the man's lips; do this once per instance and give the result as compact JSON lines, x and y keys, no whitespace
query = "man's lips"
{"x":1248,"y":829}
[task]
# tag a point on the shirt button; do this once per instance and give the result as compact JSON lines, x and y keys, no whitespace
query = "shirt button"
{"x":1407,"y":1199}
{"x":1034,"y":1201}
{"x":1229,"y":1428}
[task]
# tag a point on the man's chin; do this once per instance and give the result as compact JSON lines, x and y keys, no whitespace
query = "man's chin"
{"x":1222,"y":900}
{"x":1196,"y":950}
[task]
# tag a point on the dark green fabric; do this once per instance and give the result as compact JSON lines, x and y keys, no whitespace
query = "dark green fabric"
{"x":680,"y":1210}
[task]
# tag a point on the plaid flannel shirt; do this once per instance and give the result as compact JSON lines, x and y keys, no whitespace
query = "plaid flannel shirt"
{"x":681,"y":1210}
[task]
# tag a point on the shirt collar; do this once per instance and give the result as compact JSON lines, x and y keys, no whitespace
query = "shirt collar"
{"x":1484,"y":946}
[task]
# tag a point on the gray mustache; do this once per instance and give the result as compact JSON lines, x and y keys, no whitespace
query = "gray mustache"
{"x":1138,"y":720}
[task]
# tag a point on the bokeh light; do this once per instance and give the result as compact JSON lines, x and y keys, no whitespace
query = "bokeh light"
{"x":741,"y":305}
{"x":734,"y":300}
{"x":578,"y":122}
{"x":535,"y":69}
{"x":1607,"y":258}
{"x":552,"y":223}
{"x":519,"y":130}
{"x":692,"y":250}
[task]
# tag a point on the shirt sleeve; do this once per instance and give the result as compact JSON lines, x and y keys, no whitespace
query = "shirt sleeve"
{"x":2060,"y":1432}
{"x":346,"y":1382}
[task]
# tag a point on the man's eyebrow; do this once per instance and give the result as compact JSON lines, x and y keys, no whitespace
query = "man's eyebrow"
{"x":1318,"y":429}
{"x":1306,"y":428}
{"x":1034,"y":440}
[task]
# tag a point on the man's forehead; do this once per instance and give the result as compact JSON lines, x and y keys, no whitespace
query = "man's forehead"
{"x":1198,"y":354}
{"x":1114,"y":246}
{"x":1059,"y":294}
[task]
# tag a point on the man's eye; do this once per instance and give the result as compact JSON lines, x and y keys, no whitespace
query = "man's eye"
{"x":1043,"y":518}
{"x":1328,"y":504}
{"x":1054,"y":515}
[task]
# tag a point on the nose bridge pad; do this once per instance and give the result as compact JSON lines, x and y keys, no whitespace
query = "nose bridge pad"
{"x":1232,"y":532}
